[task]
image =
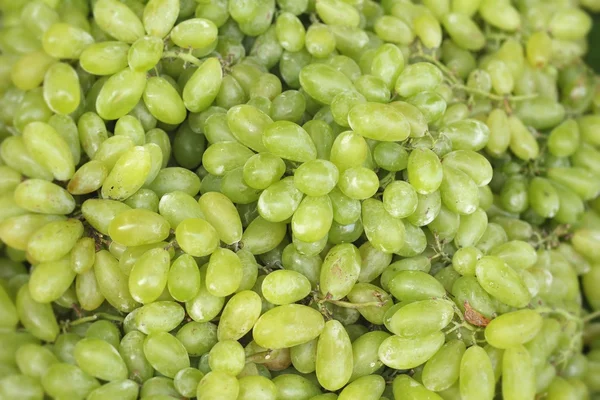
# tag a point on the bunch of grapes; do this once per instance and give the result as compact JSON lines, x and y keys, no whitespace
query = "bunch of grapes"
{"x":299,"y":200}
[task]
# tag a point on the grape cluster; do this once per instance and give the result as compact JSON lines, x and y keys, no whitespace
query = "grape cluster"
{"x":299,"y":200}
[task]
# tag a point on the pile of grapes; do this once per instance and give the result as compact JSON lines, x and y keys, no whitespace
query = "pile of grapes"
{"x":299,"y":200}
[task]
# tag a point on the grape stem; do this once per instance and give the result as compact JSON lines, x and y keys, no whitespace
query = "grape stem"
{"x":590,"y":317}
{"x":184,"y":56}
{"x":357,"y":306}
{"x":447,"y":71}
{"x":259,"y":358}
{"x":491,"y":96}
{"x":95,"y":317}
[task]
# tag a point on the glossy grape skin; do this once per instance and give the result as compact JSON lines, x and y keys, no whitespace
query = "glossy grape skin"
{"x":402,"y":353}
{"x":305,"y":322}
{"x":476,"y":378}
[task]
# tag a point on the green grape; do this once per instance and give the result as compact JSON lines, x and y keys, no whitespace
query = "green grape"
{"x":468,"y":134}
{"x":358,"y":183}
{"x":10,"y":319}
{"x":112,"y":149}
{"x":514,"y":328}
{"x":341,"y":260}
{"x":390,"y":156}
{"x":333,"y":356}
{"x":100,"y":359}
{"x":288,"y":140}
{"x":337,"y":12}
{"x":416,"y":78}
{"x":34,"y":360}
{"x":186,"y":381}
{"x":50,"y":280}
{"x":367,"y":293}
{"x":184,"y":278}
{"x":463,"y":31}
{"x":571,"y":206}
{"x":218,"y":385}
{"x":158,"y":387}
{"x":312,"y":219}
{"x":145,"y":53}
{"x":159,"y":17}
{"x":572,"y":24}
{"x":239,"y":315}
{"x":31,"y":193}
{"x":137,"y":227}
{"x":16,"y":231}
{"x":466,"y":289}
{"x":428,"y":208}
{"x":143,"y":198}
{"x":348,"y":150}
{"x":203,"y":86}
{"x":165,"y":353}
{"x":405,"y":387}
{"x":518,"y":374}
{"x":285,"y":287}
{"x":120,"y":93}
{"x":227,"y":356}
{"x":476,"y":166}
{"x":15,"y":155}
{"x":303,"y":356}
{"x":442,"y":370}
{"x":319,"y":41}
{"x":288,"y":325}
{"x":197,"y":337}
{"x":173,"y":179}
{"x":392,"y":29}
{"x":131,"y":351}
{"x":123,"y":389}
{"x":61,"y":88}
{"x":290,"y":32}
{"x":289,"y":106}
{"x":54,"y":240}
{"x":374,"y":262}
{"x":163,"y":101}
{"x":104,"y":58}
{"x":148,"y":276}
{"x":112,"y":283}
{"x":405,"y":353}
{"x":471,"y":229}
{"x":267,"y":85}
{"x":87,"y":291}
{"x":220,"y":212}
{"x":501,"y":281}
{"x":414,"y":285}
{"x":231,"y":93}
{"x":379,"y":122}
{"x":420,"y":318}
{"x":224,"y":273}
{"x":577,"y":179}
{"x":197,"y":237}
{"x":65,"y":41}
{"x":92,"y":132}
{"x":262,"y":236}
{"x":373,"y":89}
{"x":132,"y":128}
{"x":322,"y":82}
{"x":541,"y":113}
{"x":252,"y":387}
{"x":454,"y":182}
{"x":476,"y":378}
{"x":424,"y":171}
{"x":517,"y":254}
{"x":68,"y":381}
{"x":279,"y":201}
{"x":247,"y":124}
{"x":307,"y":263}
{"x":223,"y":157}
{"x":118,"y":20}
